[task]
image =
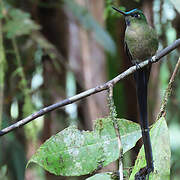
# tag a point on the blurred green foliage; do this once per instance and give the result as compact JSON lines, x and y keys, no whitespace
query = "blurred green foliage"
{"x":3,"y":171}
{"x":19,"y":23}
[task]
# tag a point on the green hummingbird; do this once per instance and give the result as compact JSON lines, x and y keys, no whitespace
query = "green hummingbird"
{"x":141,"y":43}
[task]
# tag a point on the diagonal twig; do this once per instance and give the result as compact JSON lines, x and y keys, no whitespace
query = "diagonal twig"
{"x":168,"y":92}
{"x":92,"y":91}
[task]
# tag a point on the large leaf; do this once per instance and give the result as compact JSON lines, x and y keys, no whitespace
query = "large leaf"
{"x":73,"y":152}
{"x":104,"y":176}
{"x":161,"y":152}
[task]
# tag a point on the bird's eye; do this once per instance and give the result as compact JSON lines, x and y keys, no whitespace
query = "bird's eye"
{"x":137,"y":15}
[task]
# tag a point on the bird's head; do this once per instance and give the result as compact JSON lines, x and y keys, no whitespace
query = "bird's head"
{"x":133,"y":16}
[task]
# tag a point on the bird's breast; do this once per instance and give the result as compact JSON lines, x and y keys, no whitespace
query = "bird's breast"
{"x":141,"y":41}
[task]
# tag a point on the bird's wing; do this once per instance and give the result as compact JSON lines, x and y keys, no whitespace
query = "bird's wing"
{"x":148,"y":68}
{"x":127,"y":52}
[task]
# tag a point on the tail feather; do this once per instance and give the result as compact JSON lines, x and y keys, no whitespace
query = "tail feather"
{"x":142,"y":77}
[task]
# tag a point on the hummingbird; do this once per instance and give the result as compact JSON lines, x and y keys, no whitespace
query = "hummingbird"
{"x":141,"y":43}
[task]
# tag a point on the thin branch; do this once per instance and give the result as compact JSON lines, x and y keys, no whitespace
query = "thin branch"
{"x":113,"y":116}
{"x":92,"y":91}
{"x":168,"y":92}
{"x":166,"y":51}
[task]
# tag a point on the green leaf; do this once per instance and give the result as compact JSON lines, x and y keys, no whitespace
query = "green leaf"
{"x":164,"y":75}
{"x":19,"y":24}
{"x":130,"y":134}
{"x":73,"y":152}
{"x":104,"y":176}
{"x":161,"y":152}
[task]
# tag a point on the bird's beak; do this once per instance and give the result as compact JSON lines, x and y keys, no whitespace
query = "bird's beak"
{"x":123,"y":13}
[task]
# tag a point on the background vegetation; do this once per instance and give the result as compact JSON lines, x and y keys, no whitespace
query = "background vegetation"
{"x":53,"y":49}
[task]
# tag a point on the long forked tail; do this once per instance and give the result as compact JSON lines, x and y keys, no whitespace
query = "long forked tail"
{"x":142,"y":77}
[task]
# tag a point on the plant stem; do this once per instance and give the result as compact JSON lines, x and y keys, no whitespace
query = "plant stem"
{"x":113,"y":116}
{"x":168,"y":91}
{"x":2,"y":69}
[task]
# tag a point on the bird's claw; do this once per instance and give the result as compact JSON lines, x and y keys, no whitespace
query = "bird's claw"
{"x":143,"y":173}
{"x":137,"y":66}
{"x":150,"y":61}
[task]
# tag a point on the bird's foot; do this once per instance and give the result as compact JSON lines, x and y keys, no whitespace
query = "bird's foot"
{"x":143,"y":173}
{"x":150,"y":61}
{"x":137,"y":66}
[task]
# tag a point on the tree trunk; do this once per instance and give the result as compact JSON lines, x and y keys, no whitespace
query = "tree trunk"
{"x":87,"y":59}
